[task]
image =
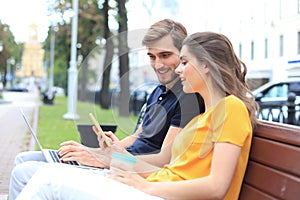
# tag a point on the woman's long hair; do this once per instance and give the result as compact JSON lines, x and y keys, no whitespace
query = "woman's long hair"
{"x":226,"y":69}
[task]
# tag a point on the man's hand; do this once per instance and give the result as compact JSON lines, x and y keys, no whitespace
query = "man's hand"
{"x":73,"y":151}
{"x":109,"y":136}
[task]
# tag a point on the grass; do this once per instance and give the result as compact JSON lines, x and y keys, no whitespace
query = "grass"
{"x":53,"y":129}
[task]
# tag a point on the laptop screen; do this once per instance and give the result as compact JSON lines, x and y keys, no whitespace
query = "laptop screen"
{"x":32,"y":131}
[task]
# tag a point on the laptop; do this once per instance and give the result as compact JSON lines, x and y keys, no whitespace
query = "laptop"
{"x":52,"y":156}
{"x":87,"y":135}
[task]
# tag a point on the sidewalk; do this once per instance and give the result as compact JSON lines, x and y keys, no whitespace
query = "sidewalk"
{"x":14,"y":135}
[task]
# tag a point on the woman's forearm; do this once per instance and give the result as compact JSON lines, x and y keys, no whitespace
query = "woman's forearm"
{"x":203,"y":188}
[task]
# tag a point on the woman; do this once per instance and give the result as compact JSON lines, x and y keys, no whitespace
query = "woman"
{"x":213,"y":148}
{"x":208,"y":158}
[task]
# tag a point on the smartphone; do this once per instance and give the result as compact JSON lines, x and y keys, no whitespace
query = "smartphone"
{"x":100,"y":131}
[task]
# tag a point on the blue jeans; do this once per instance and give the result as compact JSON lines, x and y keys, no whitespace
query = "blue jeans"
{"x":25,"y":166}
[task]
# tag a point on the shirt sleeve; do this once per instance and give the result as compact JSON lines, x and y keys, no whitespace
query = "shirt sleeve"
{"x":231,"y":123}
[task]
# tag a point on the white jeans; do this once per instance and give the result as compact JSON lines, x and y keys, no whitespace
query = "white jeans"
{"x":25,"y":166}
{"x":58,"y":181}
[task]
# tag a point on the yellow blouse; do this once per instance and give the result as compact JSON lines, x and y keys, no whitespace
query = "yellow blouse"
{"x":192,"y":149}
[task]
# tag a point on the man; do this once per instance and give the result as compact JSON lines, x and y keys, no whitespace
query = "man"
{"x":168,"y":110}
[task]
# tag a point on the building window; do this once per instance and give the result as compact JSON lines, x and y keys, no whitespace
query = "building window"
{"x":281,"y":45}
{"x":266,"y":47}
{"x":252,"y":50}
{"x":240,"y":49}
{"x":299,"y":42}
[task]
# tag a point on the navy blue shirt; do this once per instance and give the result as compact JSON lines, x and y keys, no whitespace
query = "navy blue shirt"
{"x":164,"y":109}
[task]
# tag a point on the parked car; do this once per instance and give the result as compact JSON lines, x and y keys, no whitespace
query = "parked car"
{"x":17,"y":88}
{"x":273,"y":99}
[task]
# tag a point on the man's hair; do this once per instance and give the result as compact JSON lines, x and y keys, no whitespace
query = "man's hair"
{"x":163,"y":28}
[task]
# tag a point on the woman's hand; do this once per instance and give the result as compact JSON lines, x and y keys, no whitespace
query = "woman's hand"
{"x":73,"y":151}
{"x":131,"y":179}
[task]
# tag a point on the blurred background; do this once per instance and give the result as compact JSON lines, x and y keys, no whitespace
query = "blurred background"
{"x":38,"y":49}
{"x":61,"y":59}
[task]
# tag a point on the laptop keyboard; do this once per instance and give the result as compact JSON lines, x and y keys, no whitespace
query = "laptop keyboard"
{"x":56,"y":158}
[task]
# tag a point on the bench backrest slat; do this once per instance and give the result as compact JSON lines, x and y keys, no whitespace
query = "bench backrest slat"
{"x":272,"y":182}
{"x":250,"y":193}
{"x":273,"y":170}
{"x":279,"y":132}
{"x":277,"y":155}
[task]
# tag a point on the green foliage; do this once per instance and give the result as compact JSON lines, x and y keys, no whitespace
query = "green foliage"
{"x":53,"y":129}
{"x":90,"y":28}
{"x":93,"y":26}
{"x":10,"y":47}
{"x":62,"y":54}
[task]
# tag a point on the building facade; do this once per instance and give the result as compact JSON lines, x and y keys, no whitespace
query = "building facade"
{"x":265,"y":33}
{"x":268,"y":40}
{"x":32,"y":58}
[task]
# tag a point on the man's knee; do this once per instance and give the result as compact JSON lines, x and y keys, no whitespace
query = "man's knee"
{"x":19,"y":178}
{"x":19,"y":158}
{"x":29,"y":156}
{"x":24,"y":171}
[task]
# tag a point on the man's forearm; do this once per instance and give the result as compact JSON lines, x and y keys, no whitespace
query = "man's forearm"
{"x":127,"y":141}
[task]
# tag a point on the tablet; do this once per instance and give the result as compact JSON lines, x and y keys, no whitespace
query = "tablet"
{"x":87,"y":135}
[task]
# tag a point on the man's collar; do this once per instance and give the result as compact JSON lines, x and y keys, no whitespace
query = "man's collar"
{"x":177,"y":87}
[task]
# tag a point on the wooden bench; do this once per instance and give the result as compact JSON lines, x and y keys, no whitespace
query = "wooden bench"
{"x":273,"y":170}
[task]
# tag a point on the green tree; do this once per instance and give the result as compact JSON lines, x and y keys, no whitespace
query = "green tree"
{"x":9,"y":49}
{"x":90,"y":20}
{"x":93,"y":23}
{"x":62,"y":54}
{"x":90,"y":27}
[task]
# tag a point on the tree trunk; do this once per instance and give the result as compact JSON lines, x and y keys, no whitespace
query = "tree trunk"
{"x":123,"y":60}
{"x":105,"y":99}
{"x":82,"y":90}
{"x":109,"y":47}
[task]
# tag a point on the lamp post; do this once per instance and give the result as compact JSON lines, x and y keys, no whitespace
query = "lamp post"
{"x":9,"y":75}
{"x":1,"y":75}
{"x":72,"y":71}
{"x":1,"y":46}
{"x":52,"y":48}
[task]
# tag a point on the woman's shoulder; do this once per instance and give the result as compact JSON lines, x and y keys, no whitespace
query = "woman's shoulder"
{"x":234,"y":101}
{"x":231,"y":105}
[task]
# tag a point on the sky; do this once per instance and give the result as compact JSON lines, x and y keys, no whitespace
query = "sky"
{"x":19,"y":14}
